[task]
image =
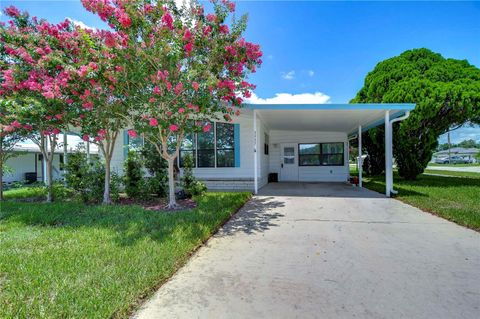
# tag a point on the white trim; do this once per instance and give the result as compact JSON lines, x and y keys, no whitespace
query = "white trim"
{"x":388,"y":155}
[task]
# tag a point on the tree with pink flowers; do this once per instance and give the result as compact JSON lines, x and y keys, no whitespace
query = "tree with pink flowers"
{"x":99,"y":100}
{"x":36,"y":61}
{"x":185,"y":68}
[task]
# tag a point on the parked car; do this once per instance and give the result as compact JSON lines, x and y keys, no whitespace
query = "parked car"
{"x":452,"y":160}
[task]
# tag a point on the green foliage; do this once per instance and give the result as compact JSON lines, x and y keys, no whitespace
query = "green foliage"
{"x":87,"y":179}
{"x":190,"y":185}
{"x":446,"y":93}
{"x":157,"y":168}
{"x":133,"y":180}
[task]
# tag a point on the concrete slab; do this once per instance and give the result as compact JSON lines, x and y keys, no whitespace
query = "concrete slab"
{"x":336,"y":256}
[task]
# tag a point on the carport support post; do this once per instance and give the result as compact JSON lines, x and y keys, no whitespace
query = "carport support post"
{"x":255,"y":157}
{"x":360,"y":162}
{"x":388,"y":155}
{"x":88,"y":151}
{"x":65,"y":152}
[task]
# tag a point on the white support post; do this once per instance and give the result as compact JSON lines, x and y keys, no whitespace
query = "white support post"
{"x":360,"y":161}
{"x":255,"y":157}
{"x":388,"y":155}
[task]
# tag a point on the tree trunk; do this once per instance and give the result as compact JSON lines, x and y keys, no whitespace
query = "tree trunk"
{"x":172,"y":203}
{"x":106,"y":192}
{"x":50,"y":179}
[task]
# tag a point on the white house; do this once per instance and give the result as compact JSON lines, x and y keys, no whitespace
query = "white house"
{"x":298,"y":143}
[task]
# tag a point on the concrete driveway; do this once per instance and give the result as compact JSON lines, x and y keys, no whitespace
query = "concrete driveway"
{"x":303,"y":251}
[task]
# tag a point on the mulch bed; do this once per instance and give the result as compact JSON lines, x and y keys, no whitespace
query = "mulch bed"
{"x":160,"y":204}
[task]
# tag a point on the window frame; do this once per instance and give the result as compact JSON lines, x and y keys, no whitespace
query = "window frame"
{"x":214,"y":149}
{"x":232,"y":149}
{"x":321,"y":154}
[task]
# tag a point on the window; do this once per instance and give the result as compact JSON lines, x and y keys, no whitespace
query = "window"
{"x":309,"y":154}
{"x":135,"y":143}
{"x":188,"y":148}
{"x":332,"y":154}
{"x":324,"y":154}
{"x":225,"y":145}
{"x":206,"y":149}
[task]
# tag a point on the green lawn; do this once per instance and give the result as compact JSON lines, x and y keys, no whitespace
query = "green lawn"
{"x":67,"y":260}
{"x":25,"y":192}
{"x":454,"y":198}
{"x":453,"y":165}
{"x":452,"y":173}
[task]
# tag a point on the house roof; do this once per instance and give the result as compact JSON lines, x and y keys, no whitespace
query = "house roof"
{"x":459,"y":150}
{"x":328,"y":117}
{"x":33,"y":148}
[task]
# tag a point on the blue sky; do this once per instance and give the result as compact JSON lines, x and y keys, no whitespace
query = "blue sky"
{"x":321,"y":51}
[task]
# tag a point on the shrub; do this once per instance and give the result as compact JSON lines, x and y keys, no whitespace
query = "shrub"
{"x":136,"y":186}
{"x":156,"y":166}
{"x":190,"y":185}
{"x":87,"y":178}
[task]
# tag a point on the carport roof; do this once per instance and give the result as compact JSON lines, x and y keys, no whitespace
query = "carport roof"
{"x":328,"y":117}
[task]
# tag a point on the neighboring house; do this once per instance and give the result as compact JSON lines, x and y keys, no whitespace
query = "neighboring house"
{"x":296,"y":143}
{"x":469,"y":154}
{"x":28,"y":165}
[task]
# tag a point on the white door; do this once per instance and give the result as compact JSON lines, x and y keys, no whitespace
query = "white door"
{"x":289,"y":163}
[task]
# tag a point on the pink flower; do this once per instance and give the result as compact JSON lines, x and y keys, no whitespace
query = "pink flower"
{"x":151,"y":100}
{"x":187,"y":35}
{"x":173,"y":127}
{"x":231,"y":6}
{"x":207,"y":127}
{"x":56,"y":131}
{"x":48,"y":95}
{"x":12,"y":11}
{"x":178,"y":88}
{"x":69,"y":101}
{"x":102,"y":132}
{"x":224,"y":29}
{"x":58,"y":116}
{"x":156,"y":90}
{"x":167,"y":20}
{"x":181,"y":110}
{"x":28,"y":127}
{"x":93,"y":65}
{"x":188,"y":47}
{"x":211,"y":17}
{"x":88,"y":105}
{"x":85,"y":137}
{"x":83,"y":71}
{"x":132,"y":133}
{"x":195,"y":85}
{"x":153,"y":122}
{"x":16,"y":124}
{"x":207,"y":30}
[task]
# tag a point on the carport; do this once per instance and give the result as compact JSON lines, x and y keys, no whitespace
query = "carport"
{"x":301,"y":127}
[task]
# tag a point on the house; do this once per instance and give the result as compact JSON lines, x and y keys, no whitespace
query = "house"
{"x":29,"y":166}
{"x":469,"y":154}
{"x":296,"y":143}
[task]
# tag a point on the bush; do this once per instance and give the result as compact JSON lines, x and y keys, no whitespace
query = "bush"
{"x":87,"y":178}
{"x":156,"y":166}
{"x":136,"y":186}
{"x":190,"y":185}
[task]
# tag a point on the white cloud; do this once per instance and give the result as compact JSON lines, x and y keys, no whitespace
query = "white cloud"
{"x":288,"y":75}
{"x":287,"y":98}
{"x":81,"y":24}
{"x":311,"y":73}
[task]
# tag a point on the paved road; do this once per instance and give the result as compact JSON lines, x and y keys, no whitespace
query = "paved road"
{"x":471,"y":169}
{"x":305,"y":251}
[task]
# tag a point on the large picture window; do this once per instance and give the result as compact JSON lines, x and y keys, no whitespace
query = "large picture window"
{"x":188,"y":149}
{"x":206,"y":149}
{"x":321,"y":154}
{"x":225,"y":145}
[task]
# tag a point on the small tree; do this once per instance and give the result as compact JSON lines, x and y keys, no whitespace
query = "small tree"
{"x":11,"y":133}
{"x":186,"y":67}
{"x":36,"y":58}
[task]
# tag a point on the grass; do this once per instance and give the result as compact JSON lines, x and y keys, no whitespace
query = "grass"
{"x":454,"y":165}
{"x":453,"y":198}
{"x":25,"y":192}
{"x":66,"y":260}
{"x":452,"y":173}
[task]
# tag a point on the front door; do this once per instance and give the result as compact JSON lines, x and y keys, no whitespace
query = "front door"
{"x":289,"y":164}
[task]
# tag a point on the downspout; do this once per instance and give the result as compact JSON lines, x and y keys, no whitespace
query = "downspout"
{"x":398,"y":119}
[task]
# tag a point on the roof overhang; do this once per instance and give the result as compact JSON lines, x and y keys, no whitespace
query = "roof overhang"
{"x":344,"y":118}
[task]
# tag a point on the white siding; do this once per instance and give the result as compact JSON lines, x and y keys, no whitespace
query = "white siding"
{"x":309,"y":173}
{"x":25,"y":163}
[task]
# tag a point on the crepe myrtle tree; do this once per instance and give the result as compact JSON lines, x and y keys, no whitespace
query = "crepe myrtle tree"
{"x":185,"y":67}
{"x":99,"y":100}
{"x":11,"y":133}
{"x":36,"y":58}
